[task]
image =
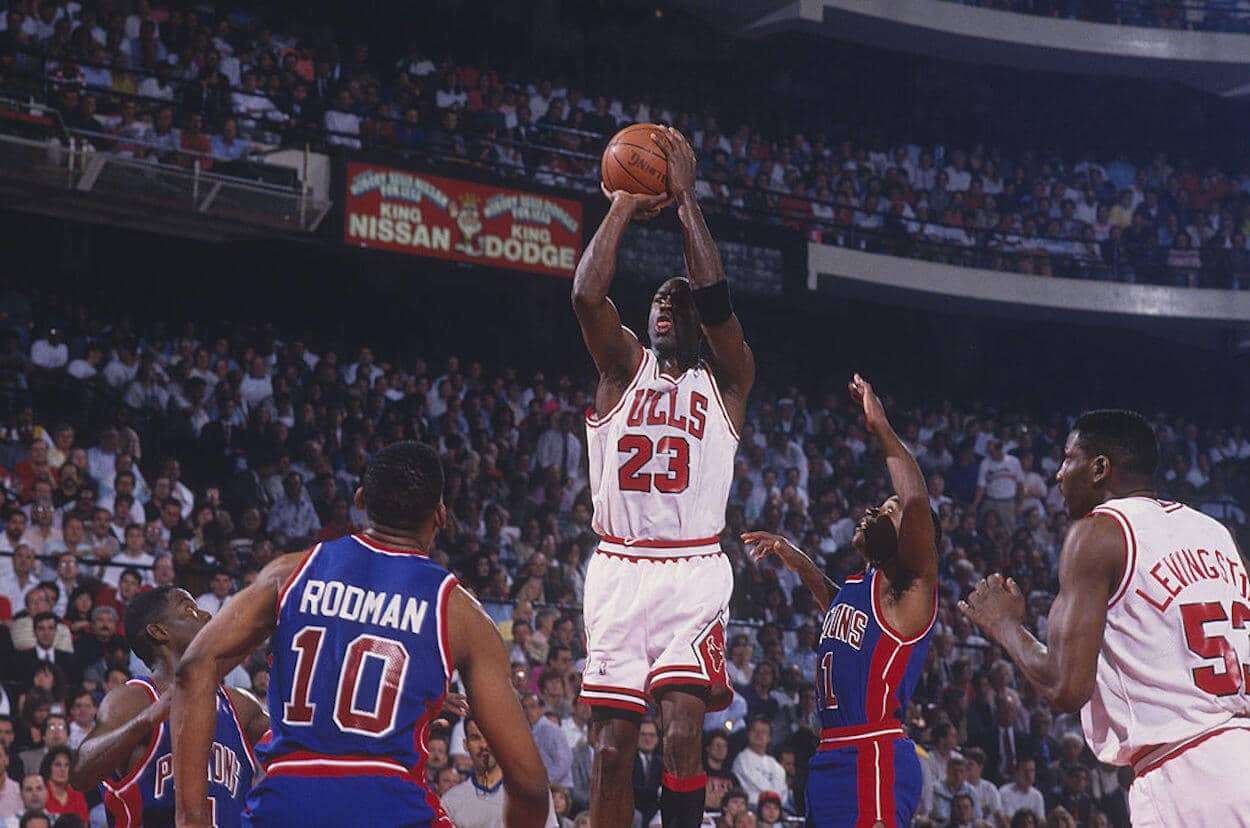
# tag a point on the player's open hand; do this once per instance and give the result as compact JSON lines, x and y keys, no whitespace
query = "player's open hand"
{"x":763,"y":544}
{"x":681,"y":160}
{"x":457,"y":703}
{"x":996,"y":605}
{"x":635,"y":205}
{"x":874,"y":411}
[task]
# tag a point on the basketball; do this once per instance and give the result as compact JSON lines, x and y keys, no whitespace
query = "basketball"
{"x":632,"y":162}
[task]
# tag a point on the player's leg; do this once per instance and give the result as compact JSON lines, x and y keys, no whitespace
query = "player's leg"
{"x":614,"y":735}
{"x":682,"y":708}
{"x":832,"y":788}
{"x":613,"y":684}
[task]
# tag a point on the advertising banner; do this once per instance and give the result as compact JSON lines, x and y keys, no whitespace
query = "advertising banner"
{"x":428,"y":215}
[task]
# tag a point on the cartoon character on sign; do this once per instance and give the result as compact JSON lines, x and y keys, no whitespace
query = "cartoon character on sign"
{"x":469,"y":219}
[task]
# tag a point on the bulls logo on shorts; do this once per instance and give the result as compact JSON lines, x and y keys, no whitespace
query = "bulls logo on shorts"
{"x":711,"y":649}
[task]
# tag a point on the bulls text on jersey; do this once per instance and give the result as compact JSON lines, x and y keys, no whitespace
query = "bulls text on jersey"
{"x":658,"y":407}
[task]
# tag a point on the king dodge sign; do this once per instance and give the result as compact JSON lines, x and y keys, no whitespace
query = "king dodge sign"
{"x":427,"y":215}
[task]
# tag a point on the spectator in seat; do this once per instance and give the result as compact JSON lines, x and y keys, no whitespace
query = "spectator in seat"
{"x":62,"y":799}
{"x":55,"y":733}
{"x":341,"y":122}
{"x":1019,"y":794}
{"x":82,"y":711}
{"x":34,"y":797}
{"x":293,"y":517}
{"x":133,"y":556}
{"x":1184,"y":262}
{"x":477,"y":802}
{"x":220,"y":588}
{"x":735,"y":807}
{"x":10,"y":789}
{"x":648,"y":773}
{"x":196,"y":146}
{"x":720,"y":779}
{"x":1073,"y":793}
{"x":18,"y":574}
{"x":128,"y":586}
{"x":227,"y":146}
{"x":46,"y":626}
{"x":409,"y":133}
{"x":769,"y":813}
{"x":953,"y":785}
{"x":161,"y":139}
{"x":14,"y":528}
{"x":103,"y":637}
{"x":988,"y":801}
{"x":41,"y":531}
{"x":553,"y":746}
{"x":38,"y":601}
{"x":755,"y":768}
{"x":159,"y":86}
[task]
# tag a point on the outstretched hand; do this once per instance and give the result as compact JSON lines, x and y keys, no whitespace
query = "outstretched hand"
{"x":635,"y":205}
{"x":996,"y":605}
{"x":874,"y":411}
{"x":766,"y":543}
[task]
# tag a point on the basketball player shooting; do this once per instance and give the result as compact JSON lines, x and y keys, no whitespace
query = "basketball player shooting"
{"x":1148,"y":634}
{"x":662,"y":437}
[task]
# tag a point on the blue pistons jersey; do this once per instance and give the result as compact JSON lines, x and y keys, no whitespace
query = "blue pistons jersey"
{"x":865,"y":769}
{"x":361,"y":665}
{"x":144,"y":798}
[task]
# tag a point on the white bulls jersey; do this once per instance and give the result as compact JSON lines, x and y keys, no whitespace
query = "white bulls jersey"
{"x":661,"y":461}
{"x":1175,"y":658}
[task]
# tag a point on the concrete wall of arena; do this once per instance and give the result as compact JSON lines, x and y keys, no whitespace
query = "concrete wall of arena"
{"x":1227,"y":308}
{"x":1215,"y":61}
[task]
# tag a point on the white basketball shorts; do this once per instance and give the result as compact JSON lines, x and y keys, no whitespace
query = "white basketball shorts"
{"x":653,"y":621}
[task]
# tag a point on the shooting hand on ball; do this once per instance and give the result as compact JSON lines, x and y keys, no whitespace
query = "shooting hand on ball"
{"x":681,"y":160}
{"x":636,"y":206}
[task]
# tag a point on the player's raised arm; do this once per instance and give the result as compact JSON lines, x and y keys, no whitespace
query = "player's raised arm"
{"x":734,"y":361}
{"x":127,"y":719}
{"x":1065,"y":668}
{"x":917,"y":549}
{"x":763,"y":544}
{"x":478,"y":653}
{"x":241,"y":626}
{"x":614,"y":349}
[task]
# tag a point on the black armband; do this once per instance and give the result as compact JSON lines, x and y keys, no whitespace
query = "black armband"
{"x":713,"y":303}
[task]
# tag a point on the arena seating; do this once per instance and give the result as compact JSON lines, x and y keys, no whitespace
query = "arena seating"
{"x":236,"y":87}
{"x":260,"y":440}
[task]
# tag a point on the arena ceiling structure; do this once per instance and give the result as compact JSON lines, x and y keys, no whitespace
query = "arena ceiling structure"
{"x":1214,"y":62}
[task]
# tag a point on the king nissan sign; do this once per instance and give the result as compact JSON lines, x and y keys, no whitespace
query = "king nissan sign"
{"x":426,"y":215}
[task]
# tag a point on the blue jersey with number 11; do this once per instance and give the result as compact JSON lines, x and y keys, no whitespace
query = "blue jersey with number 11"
{"x":868,"y":671}
{"x":360,"y":667}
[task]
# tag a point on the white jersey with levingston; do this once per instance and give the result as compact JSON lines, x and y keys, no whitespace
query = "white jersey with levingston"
{"x":661,"y":460}
{"x":1175,"y":659}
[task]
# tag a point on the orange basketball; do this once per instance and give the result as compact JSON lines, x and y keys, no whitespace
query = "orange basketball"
{"x":633,"y":163}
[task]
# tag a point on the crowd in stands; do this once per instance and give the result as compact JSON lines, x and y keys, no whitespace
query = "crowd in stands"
{"x":133,"y":458}
{"x":1206,"y":15}
{"x":197,"y":86}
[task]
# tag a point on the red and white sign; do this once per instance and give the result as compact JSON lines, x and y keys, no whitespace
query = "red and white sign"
{"x":427,"y":215}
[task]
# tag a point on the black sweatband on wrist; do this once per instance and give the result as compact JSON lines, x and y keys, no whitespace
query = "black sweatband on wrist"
{"x":713,"y":303}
